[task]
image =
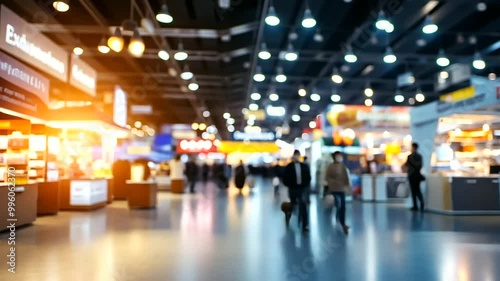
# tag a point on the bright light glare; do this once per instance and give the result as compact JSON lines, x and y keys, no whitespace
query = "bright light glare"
{"x":399,"y":98}
{"x":281,"y":78}
{"x":420,"y":97}
{"x":295,"y":118}
{"x":291,"y":56}
{"x":274,"y":97}
{"x":255,"y":96}
{"x":335,"y":98}
{"x":369,"y":92}
{"x":259,"y":77}
{"x":164,"y":55}
{"x":180,"y":56}
{"x":305,"y":107}
{"x":315,"y":97}
{"x":264,"y":55}
{"x":368,"y":102}
{"x":60,"y":6}
{"x":336,"y":78}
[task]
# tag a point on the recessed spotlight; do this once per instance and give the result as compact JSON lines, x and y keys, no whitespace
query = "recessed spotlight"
{"x":78,"y":51}
{"x":315,"y":97}
{"x":399,"y":98}
{"x":295,"y":118}
{"x":368,"y":102}
{"x":255,"y":96}
{"x":305,"y":107}
{"x":274,"y":97}
{"x":335,"y":98}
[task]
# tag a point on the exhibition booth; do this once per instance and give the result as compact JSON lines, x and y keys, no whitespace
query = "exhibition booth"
{"x":458,"y":136}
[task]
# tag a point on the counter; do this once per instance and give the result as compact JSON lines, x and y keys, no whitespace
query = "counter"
{"x":48,"y":198}
{"x":142,"y":194}
{"x":461,"y":195}
{"x":25,"y":205}
{"x":163,"y":182}
{"x":385,"y":187}
{"x":83,"y":194}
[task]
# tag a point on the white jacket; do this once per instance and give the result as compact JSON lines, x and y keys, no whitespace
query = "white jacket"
{"x":176,"y":170}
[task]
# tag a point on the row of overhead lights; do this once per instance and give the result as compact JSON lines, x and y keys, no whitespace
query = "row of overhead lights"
{"x":229,"y":121}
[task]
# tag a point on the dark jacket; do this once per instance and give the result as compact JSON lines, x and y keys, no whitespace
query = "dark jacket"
{"x":290,"y":177}
{"x":240,"y":176}
{"x":414,"y":165}
{"x":192,"y":171}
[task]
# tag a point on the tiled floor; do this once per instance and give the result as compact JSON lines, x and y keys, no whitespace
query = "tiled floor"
{"x":216,"y":235}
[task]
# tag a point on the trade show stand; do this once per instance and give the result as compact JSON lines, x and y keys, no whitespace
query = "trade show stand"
{"x":83,"y":194}
{"x":48,"y":198}
{"x":462,"y":195}
{"x":385,"y":187}
{"x":164,"y":182}
{"x":142,"y":194}
{"x":25,"y":204}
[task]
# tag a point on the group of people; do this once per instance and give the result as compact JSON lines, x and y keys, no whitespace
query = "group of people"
{"x":336,"y":182}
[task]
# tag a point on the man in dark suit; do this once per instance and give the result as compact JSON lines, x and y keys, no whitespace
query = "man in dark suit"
{"x":297,"y":178}
{"x":192,"y":173}
{"x":414,"y":166}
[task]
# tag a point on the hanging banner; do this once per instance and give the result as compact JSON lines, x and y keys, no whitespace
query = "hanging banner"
{"x":22,"y":89}
{"x":83,"y":76}
{"x":23,"y":41}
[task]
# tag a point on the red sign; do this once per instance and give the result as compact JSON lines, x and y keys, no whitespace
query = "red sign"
{"x":196,"y":146}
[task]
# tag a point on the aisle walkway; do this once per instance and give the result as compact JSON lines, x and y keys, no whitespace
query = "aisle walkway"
{"x":216,"y":235}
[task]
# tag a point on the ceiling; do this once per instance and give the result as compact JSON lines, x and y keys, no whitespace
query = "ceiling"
{"x":223,"y":46}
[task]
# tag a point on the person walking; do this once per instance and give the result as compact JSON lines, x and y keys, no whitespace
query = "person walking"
{"x":204,"y":171}
{"x":414,"y":166}
{"x":337,"y":177}
{"x":297,"y":178}
{"x":240,"y":175}
{"x":192,"y":171}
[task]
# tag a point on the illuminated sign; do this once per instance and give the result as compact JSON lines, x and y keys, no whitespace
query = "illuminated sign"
{"x":83,"y":76}
{"x":247,"y":136}
{"x":196,"y":146}
{"x":24,"y":41}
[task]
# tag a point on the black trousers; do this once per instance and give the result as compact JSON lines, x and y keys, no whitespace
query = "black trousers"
{"x":192,"y":184}
{"x":298,"y":197}
{"x":416,"y":192}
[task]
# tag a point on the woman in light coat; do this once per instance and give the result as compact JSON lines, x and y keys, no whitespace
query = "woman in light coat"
{"x":337,"y":177}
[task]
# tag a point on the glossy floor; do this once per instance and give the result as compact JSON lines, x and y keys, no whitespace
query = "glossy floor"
{"x":223,"y":235}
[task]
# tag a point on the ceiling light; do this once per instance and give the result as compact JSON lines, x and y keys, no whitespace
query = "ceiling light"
{"x":231,"y":121}
{"x":227,"y":115}
{"x":280,"y":78}
{"x":478,"y":62}
{"x":259,"y":77}
{"x":350,"y":57}
{"x":442,"y":60}
{"x":202,"y":127}
{"x":429,"y":26}
{"x":335,"y":97}
{"x":103,"y":48}
{"x":78,"y":51}
{"x":473,"y":40}
{"x":186,"y":73}
{"x":250,"y":122}
{"x":61,"y":5}
{"x":295,"y":118}
{"x":368,"y":102}
{"x":481,"y":6}
{"x":180,"y":55}
{"x":315,"y":97}
{"x":421,"y":42}
{"x":293,"y":35}
{"x":136,"y":46}
{"x":486,"y":128}
{"x":206,"y":113}
{"x":164,"y":55}
{"x":399,"y":98}
{"x":305,"y":107}
{"x":274,"y":97}
{"x":115,"y":42}
{"x":308,"y":21}
{"x":255,"y":96}
{"x":312,"y":124}
{"x":290,"y":54}
{"x":389,"y":28}
{"x":195,"y":126}
{"x":230,"y":128}
{"x":318,"y":37}
{"x":271,"y":18}
{"x":389,"y":56}
{"x":444,"y":75}
{"x":302,"y":91}
{"x":193,"y":86}
{"x":411,"y":101}
{"x":164,"y":16}
{"x":369,"y":91}
{"x":336,"y":77}
{"x":492,"y":76}
{"x":276,"y":111}
{"x":419,"y":96}
{"x":382,"y":22}
{"x":244,"y":111}
{"x":253,"y":106}
{"x":264,"y":53}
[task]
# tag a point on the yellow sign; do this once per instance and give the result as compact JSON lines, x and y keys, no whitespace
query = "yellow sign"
{"x":248,"y":147}
{"x":257,"y":115}
{"x":459,"y":95}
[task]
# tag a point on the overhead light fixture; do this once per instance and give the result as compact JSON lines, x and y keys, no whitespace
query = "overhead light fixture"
{"x":180,"y":55}
{"x":231,"y":121}
{"x":369,"y":91}
{"x":264,"y":54}
{"x":102,"y":47}
{"x":259,"y":76}
{"x":250,"y":122}
{"x":350,"y":57}
{"x":312,"y":124}
{"x":61,"y":6}
{"x":255,"y":96}
{"x":226,"y":115}
{"x":202,"y":127}
{"x":295,"y":118}
{"x":77,"y":51}
{"x":478,"y":62}
{"x":486,"y":128}
{"x":335,"y":98}
{"x":116,"y":42}
{"x":195,"y":126}
{"x":308,"y":21}
{"x":315,"y":97}
{"x":399,"y":98}
{"x":390,"y":28}
{"x":389,"y":56}
{"x":444,"y":75}
{"x":368,"y":102}
{"x":163,"y":54}
{"x":429,"y":26}
{"x":136,"y":46}
{"x":382,"y":22}
{"x":290,"y":54}
{"x":293,"y":35}
{"x":420,"y":97}
{"x":193,"y":86}
{"x":271,"y":18}
{"x":302,"y":91}
{"x":253,"y":106}
{"x":230,"y":128}
{"x":336,"y":77}
{"x":304,"y":107}
{"x":318,"y":37}
{"x":481,"y":6}
{"x":492,"y":76}
{"x":274,"y":97}
{"x":280,"y":77}
{"x":164,"y":15}
{"x":186,"y":73}
{"x":206,"y":113}
{"x":276,"y":111}
{"x":442,"y":60}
